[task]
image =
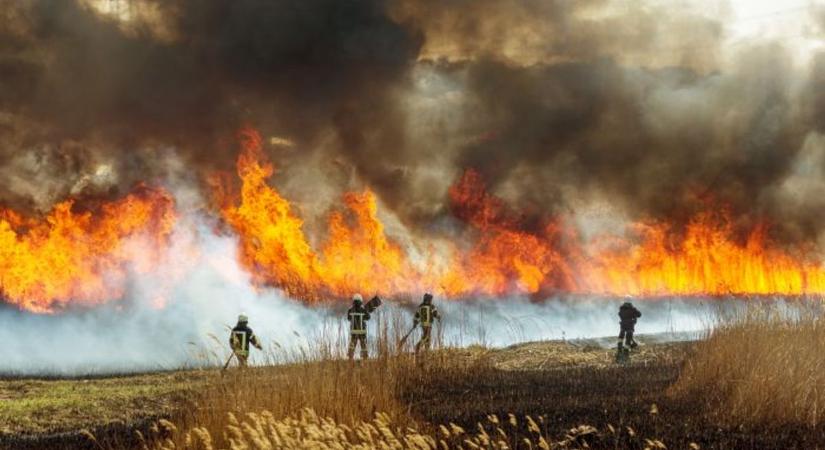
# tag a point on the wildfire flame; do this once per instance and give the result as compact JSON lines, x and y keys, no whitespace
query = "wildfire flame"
{"x":356,"y":256}
{"x":500,"y":255}
{"x":504,"y":258}
{"x":707,"y":260}
{"x":81,"y":257}
{"x":73,"y":256}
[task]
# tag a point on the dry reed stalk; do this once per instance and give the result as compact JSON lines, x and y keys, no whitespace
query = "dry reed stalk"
{"x":763,"y":366}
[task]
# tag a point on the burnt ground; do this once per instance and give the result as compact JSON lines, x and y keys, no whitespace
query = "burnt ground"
{"x":606,"y":397}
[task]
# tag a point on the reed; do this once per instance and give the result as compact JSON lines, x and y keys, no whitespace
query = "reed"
{"x":763,"y":365}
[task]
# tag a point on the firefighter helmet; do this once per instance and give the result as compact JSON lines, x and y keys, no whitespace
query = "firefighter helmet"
{"x":242,"y":318}
{"x":428,"y":298}
{"x":357,"y":299}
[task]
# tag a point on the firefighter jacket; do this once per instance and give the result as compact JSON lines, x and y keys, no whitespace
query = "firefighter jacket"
{"x":628,"y":315}
{"x":240,"y":338}
{"x":425,"y":314}
{"x":358,"y":317}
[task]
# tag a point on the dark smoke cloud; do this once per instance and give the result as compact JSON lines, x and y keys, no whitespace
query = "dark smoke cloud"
{"x":650,"y":138}
{"x":641,"y":105}
{"x":816,"y":94}
{"x":626,"y":108}
{"x":70,"y":74}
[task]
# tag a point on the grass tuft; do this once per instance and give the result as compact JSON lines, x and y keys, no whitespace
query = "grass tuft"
{"x":761,"y":367}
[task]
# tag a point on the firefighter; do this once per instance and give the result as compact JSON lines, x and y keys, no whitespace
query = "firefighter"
{"x":240,"y":338}
{"x":358,"y":317}
{"x":425,"y":315}
{"x":627,"y":323}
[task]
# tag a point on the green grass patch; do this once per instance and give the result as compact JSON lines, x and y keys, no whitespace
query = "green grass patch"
{"x":52,"y":406}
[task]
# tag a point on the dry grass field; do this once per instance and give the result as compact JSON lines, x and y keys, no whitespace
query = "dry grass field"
{"x":119,"y":412}
{"x":754,"y":382}
{"x":765,"y":367}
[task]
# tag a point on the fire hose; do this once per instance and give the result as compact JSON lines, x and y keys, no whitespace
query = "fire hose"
{"x":404,"y":339}
{"x":231,"y":355}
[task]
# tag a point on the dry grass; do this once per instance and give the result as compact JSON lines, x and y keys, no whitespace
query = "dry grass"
{"x":763,"y":366}
{"x":346,"y":392}
{"x":458,"y":387}
{"x":317,"y":377}
{"x":313,"y":398}
{"x":308,"y":430}
{"x":558,"y":355}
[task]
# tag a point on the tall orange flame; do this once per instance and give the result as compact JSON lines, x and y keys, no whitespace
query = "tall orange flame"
{"x":276,"y":251}
{"x":357,"y":255}
{"x":498,"y":254}
{"x":707,"y":260}
{"x":81,"y":257}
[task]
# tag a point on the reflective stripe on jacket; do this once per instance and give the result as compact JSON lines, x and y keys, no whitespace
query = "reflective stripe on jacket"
{"x":239,"y":339}
{"x":426,"y":314}
{"x":358,"y":318}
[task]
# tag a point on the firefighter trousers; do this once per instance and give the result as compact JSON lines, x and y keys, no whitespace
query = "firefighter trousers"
{"x":626,"y":334}
{"x":425,"y":342}
{"x":356,"y":340}
{"x":242,"y":358}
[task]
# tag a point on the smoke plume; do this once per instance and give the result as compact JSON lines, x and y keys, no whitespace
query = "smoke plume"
{"x":554,"y":102}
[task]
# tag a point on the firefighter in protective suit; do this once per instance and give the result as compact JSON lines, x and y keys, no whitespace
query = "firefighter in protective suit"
{"x":358,"y":316}
{"x":628,"y":314}
{"x":425,"y":315}
{"x":240,"y":338}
